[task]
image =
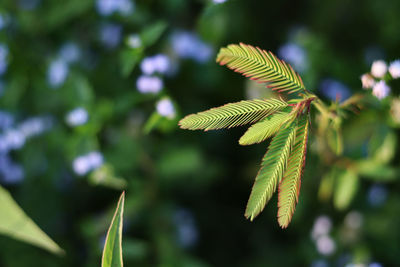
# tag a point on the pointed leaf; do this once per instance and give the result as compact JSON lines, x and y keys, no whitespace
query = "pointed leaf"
{"x":272,"y":168}
{"x":112,"y":252}
{"x":265,"y":128}
{"x":289,"y":188}
{"x":262,"y":66}
{"x":16,"y":224}
{"x":346,"y":188}
{"x":232,"y":114}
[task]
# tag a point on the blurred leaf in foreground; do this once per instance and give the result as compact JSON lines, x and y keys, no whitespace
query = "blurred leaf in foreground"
{"x":16,"y":224}
{"x":112,"y":253}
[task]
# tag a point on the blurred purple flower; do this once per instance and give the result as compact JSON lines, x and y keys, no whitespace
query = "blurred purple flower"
{"x":187,"y":234}
{"x":165,"y":108}
{"x":325,"y":245}
{"x":77,"y":117}
{"x":14,"y":139}
{"x":29,"y":4}
{"x":70,"y":52}
{"x":3,"y":58}
{"x":108,"y":7}
{"x":6,"y":120}
{"x":335,"y":90}
{"x":158,"y":63}
{"x":149,"y":84}
{"x":188,"y":45}
{"x":322,"y":226}
{"x":377,"y":195}
{"x":110,"y":35}
{"x":10,"y":172}
{"x":294,"y":55}
{"x":381,"y":90}
{"x":219,"y":1}
{"x":86,"y":163}
{"x":34,"y":126}
{"x":57,"y":73}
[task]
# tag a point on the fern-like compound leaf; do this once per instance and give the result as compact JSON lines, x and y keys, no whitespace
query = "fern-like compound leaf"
{"x":266,"y":128}
{"x":232,"y":114}
{"x":272,"y":168}
{"x":289,"y":188}
{"x":262,"y":66}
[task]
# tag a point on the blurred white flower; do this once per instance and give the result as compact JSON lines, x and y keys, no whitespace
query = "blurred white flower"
{"x":219,"y":1}
{"x":367,"y":81}
{"x":325,"y":245}
{"x":394,"y":69}
{"x":378,"y":68}
{"x":77,"y":117}
{"x":57,"y":73}
{"x":149,"y":84}
{"x":110,"y":35}
{"x":381,"y":90}
{"x":165,"y":108}
{"x":322,"y":226}
{"x":70,"y":52}
{"x":294,"y":55}
{"x":134,"y":41}
{"x":353,"y":220}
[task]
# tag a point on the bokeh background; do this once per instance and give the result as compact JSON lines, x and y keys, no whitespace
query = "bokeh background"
{"x":90,"y":96}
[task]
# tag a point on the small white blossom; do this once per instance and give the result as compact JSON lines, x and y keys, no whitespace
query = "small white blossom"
{"x":367,"y":81}
{"x":381,"y":90}
{"x":165,"y":108}
{"x":394,"y":69}
{"x":378,"y":68}
{"x":134,"y":41}
{"x":77,"y":117}
{"x":149,"y":84}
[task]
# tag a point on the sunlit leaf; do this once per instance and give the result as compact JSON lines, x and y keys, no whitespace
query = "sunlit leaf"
{"x":16,"y":224}
{"x":112,"y":252}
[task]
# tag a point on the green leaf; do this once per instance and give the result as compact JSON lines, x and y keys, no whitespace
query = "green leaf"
{"x":262,"y":66}
{"x":289,"y":188}
{"x":265,"y":128}
{"x":16,"y":224}
{"x":152,"y":33}
{"x":232,"y":114}
{"x":346,"y":189}
{"x":272,"y":168}
{"x":112,"y":252}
